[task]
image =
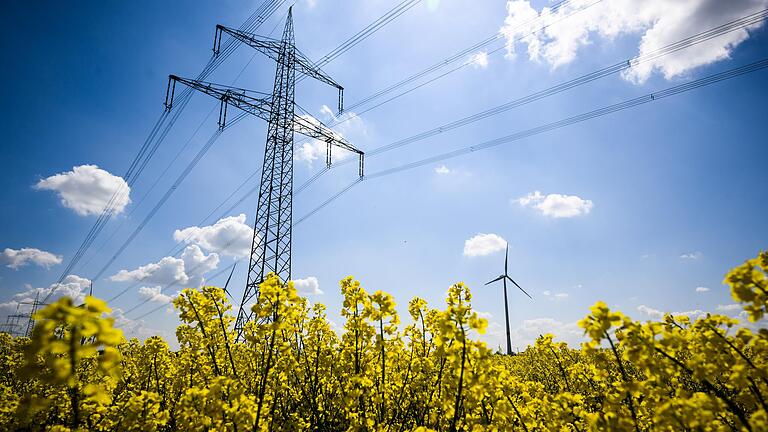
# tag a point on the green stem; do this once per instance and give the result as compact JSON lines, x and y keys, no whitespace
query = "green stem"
{"x":712,"y":388}
{"x":625,"y":378}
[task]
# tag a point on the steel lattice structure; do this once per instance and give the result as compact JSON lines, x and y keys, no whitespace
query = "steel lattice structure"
{"x":271,"y":247}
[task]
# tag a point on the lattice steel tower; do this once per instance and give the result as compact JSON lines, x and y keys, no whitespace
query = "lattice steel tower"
{"x":271,"y":247}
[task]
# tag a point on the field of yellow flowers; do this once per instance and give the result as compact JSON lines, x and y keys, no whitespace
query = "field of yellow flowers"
{"x":294,"y":373}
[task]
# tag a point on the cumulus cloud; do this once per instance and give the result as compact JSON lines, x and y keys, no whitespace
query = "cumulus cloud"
{"x":186,"y":271}
{"x":228,"y":236}
{"x":154,"y":294}
{"x":656,"y":23}
{"x":307,"y":286}
{"x":15,"y":258}
{"x":657,"y":314}
{"x":442,"y":170}
{"x":702,"y":289}
{"x":139,"y":328}
{"x":691,"y":256}
{"x":729,"y":307}
{"x":484,"y":244}
{"x":479,"y":60}
{"x":350,"y":127}
{"x":556,"y":205}
{"x":166,"y":271}
{"x":197,"y":264}
{"x":554,"y":296}
{"x":72,"y":286}
{"x":88,"y":190}
{"x":486,"y":315}
{"x":643,"y":309}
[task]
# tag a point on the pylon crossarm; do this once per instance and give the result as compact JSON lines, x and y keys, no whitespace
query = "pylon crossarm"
{"x":271,"y":48}
{"x":307,"y":67}
{"x":237,"y":97}
{"x":268,"y":46}
{"x":313,"y":128}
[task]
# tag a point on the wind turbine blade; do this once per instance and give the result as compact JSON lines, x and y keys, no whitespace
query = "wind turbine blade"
{"x":521,"y":288}
{"x":495,"y":280}
{"x":506,"y":259}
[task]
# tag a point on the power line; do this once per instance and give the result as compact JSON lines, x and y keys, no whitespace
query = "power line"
{"x":167,"y":168}
{"x":369,"y":30}
{"x":147,"y":300}
{"x":162,"y":201}
{"x":615,"y":68}
{"x":450,"y":71}
{"x":349,"y":43}
{"x":462,"y":54}
{"x":687,"y":42}
{"x":610,"y":109}
{"x":584,"y":79}
{"x":345,"y":46}
{"x":141,"y":200}
{"x":188,"y":272}
{"x":621,"y":66}
{"x":148,"y":149}
{"x":212,"y":140}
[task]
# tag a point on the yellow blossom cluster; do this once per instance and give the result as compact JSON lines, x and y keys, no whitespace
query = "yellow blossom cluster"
{"x":290,"y":371}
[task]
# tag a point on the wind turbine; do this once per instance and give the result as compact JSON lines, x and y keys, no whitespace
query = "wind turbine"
{"x":504,"y":278}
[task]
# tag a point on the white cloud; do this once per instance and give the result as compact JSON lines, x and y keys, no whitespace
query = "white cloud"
{"x":479,"y":59}
{"x":486,"y":315}
{"x":88,"y":189}
{"x":228,"y":236}
{"x":154,"y":294}
{"x":72,"y":286}
{"x":702,"y":289}
{"x":166,"y":271}
{"x":531,"y":329}
{"x":692,"y":256}
{"x":15,"y":258}
{"x":643,"y":309}
{"x":442,"y":170}
{"x":139,"y":329}
{"x":350,"y":127}
{"x":556,"y":205}
{"x":555,"y":296}
{"x":307,"y":286}
{"x":187,"y":271}
{"x":197,"y":264}
{"x":657,"y":23}
{"x":484,"y":244}
{"x":729,"y":307}
{"x":657,"y":314}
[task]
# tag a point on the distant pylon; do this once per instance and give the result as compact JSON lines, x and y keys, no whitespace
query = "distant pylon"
{"x":271,"y":245}
{"x":31,"y":320}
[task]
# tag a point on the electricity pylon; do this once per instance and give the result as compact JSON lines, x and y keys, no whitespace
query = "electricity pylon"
{"x":271,"y":247}
{"x":504,"y":278}
{"x":12,"y":325}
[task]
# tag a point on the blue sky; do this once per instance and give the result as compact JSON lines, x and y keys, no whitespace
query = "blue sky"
{"x":638,"y":208}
